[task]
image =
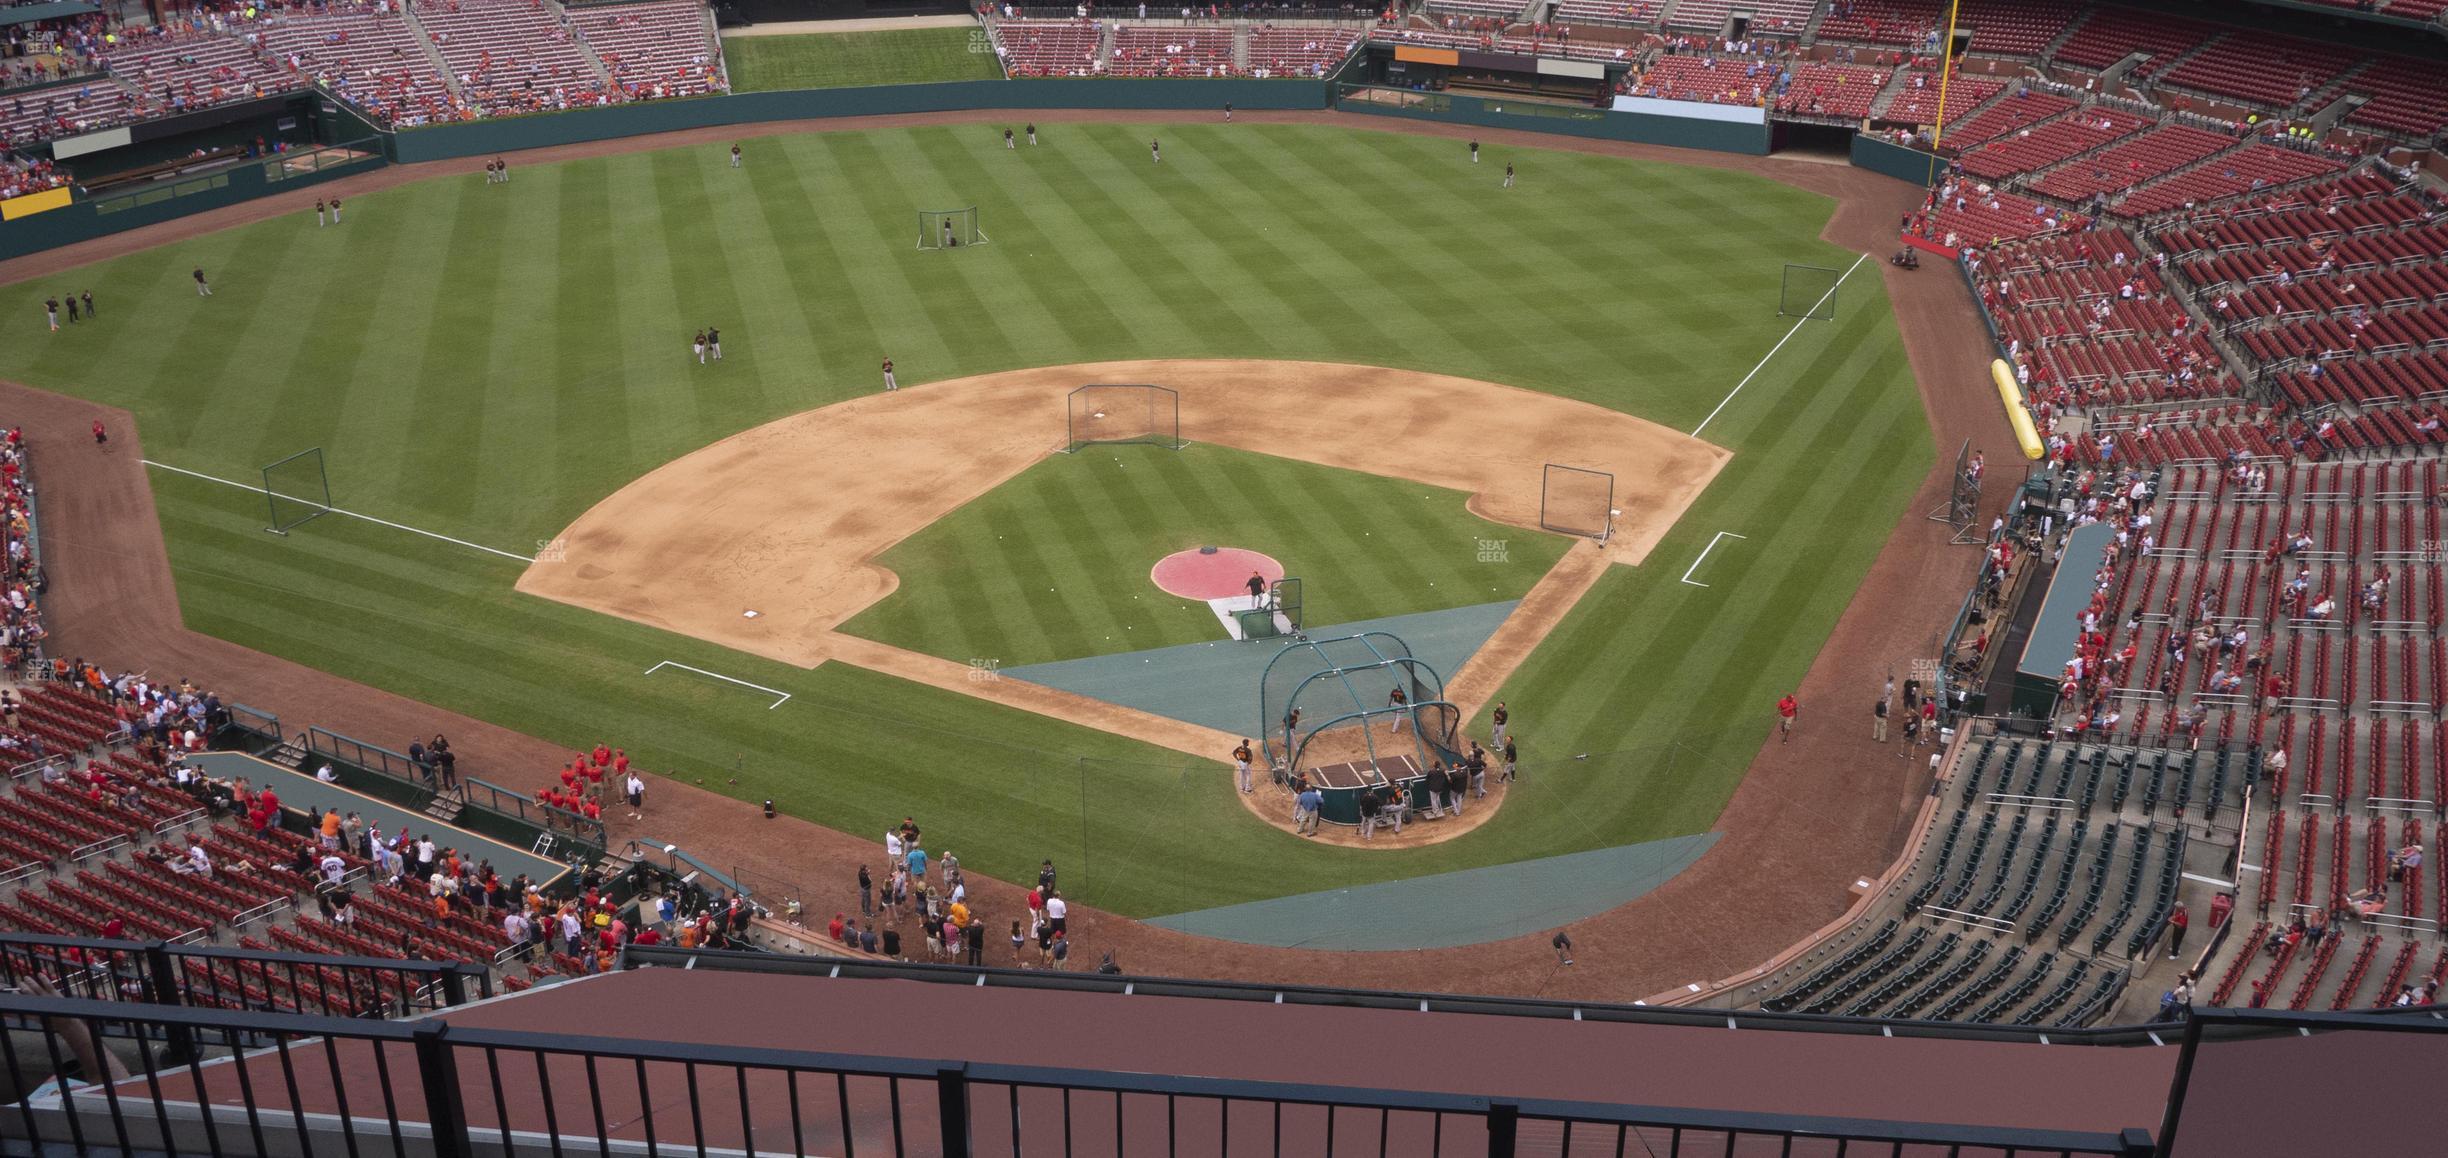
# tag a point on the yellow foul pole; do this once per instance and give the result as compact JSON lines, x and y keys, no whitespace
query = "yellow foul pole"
{"x":1946,"y":71}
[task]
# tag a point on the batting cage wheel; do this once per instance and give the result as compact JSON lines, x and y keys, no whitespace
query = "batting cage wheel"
{"x":297,"y":490}
{"x":1809,"y":291}
{"x":1147,"y":414}
{"x":949,"y":228}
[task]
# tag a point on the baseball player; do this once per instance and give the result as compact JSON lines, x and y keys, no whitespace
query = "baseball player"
{"x":697,"y":347}
{"x":51,"y":313}
{"x":1508,"y":182}
{"x":714,"y":342}
{"x":735,"y":156}
{"x":1008,"y":143}
{"x":889,"y":383}
{"x":322,"y":215}
{"x":87,"y":297}
{"x":1032,"y":132}
{"x":203,"y":287}
{"x":1474,"y":151}
{"x":1241,"y":764}
{"x":335,"y":211}
{"x":72,"y":309}
{"x":1227,"y":112}
{"x":1156,"y":151}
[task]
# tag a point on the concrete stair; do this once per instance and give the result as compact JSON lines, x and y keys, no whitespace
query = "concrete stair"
{"x":433,"y":55}
{"x":603,"y":72}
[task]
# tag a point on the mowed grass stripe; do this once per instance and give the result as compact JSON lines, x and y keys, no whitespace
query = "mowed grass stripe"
{"x":1647,"y":288}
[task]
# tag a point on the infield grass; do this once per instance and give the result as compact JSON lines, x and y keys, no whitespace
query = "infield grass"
{"x":1054,"y":564}
{"x":487,"y":361}
{"x":857,"y":59}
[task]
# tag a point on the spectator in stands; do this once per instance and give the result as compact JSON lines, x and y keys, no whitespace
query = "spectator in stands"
{"x":2362,"y":904}
{"x":2178,"y":921}
{"x":2405,"y":862}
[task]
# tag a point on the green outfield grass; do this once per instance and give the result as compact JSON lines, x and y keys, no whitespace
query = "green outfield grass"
{"x":487,"y":361}
{"x":855,"y":59}
{"x":1054,"y":564}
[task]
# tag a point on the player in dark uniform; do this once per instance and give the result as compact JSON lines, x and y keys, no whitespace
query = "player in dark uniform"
{"x":1008,"y":143}
{"x":1156,"y":151}
{"x":714,"y":342}
{"x":1474,"y":151}
{"x":1257,"y":589}
{"x":1228,"y":111}
{"x":322,"y":215}
{"x":51,"y":313}
{"x":735,"y":156}
{"x":1508,"y":182}
{"x":72,"y":309}
{"x":1032,"y":132}
{"x":87,"y":296}
{"x":203,"y":287}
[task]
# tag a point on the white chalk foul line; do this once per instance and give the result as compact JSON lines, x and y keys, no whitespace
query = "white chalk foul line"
{"x":1687,"y":572}
{"x":781,"y":697}
{"x":253,"y":489}
{"x":1772,"y":350}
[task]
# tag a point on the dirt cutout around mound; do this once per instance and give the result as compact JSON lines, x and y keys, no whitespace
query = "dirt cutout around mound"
{"x":787,"y":520}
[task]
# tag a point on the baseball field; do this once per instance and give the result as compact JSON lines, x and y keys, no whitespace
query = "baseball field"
{"x":482,"y":365}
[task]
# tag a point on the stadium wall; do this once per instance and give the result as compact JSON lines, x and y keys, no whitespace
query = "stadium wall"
{"x":444,"y":142}
{"x":166,"y":201}
{"x":1566,"y":120}
{"x":1897,"y":161}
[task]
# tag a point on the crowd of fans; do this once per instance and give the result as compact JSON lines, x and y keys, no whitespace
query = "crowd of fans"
{"x":496,"y":57}
{"x":21,"y":628}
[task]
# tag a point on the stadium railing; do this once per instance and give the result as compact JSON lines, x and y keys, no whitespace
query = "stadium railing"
{"x":455,"y":1090}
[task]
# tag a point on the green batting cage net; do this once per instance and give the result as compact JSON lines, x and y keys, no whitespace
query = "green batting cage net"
{"x":297,"y":490}
{"x":949,"y":228}
{"x":1575,"y":500}
{"x":1144,"y":414}
{"x":1809,"y":291}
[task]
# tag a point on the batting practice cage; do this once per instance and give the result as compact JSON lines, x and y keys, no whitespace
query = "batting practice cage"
{"x":1576,"y":500}
{"x":1148,"y":414}
{"x":1329,"y":708}
{"x":297,"y":490}
{"x":949,"y":228}
{"x":1809,"y":292}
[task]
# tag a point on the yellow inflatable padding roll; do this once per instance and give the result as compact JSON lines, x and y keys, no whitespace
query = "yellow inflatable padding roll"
{"x":2017,"y":414}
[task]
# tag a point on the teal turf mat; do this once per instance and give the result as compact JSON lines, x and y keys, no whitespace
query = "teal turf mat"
{"x":1216,"y":684}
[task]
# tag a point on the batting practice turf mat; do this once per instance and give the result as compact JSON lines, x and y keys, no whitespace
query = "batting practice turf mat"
{"x":486,"y":362}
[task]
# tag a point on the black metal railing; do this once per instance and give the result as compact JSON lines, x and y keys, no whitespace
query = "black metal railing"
{"x":252,"y":979}
{"x":233,"y":1083}
{"x":511,"y":807}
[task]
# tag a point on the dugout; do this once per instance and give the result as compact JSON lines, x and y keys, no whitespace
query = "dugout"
{"x":1326,"y":708}
{"x":2051,"y":627}
{"x":1541,"y":78}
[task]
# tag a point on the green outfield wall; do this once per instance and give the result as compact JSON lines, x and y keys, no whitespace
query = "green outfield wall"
{"x":1563,"y":120}
{"x":1898,"y":161}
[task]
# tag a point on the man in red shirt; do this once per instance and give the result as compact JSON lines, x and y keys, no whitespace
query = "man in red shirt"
{"x":1787,"y":708}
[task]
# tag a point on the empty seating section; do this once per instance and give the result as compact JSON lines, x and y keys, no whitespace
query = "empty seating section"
{"x":2044,"y":865}
{"x":1172,"y":51}
{"x":2112,"y":34}
{"x":1831,"y":90}
{"x":2258,"y":166}
{"x":373,"y":58}
{"x":1773,"y":17}
{"x":2264,"y":69}
{"x":1498,"y":9}
{"x":2106,"y":329}
{"x":1299,"y":51}
{"x":2068,"y":136}
{"x":510,"y":56}
{"x":1733,"y":81}
{"x":2406,"y":96}
{"x":1917,"y":101}
{"x":1641,"y":13}
{"x":2018,"y":111}
{"x":1998,"y":27}
{"x":2133,"y":162}
{"x":1909,"y":23}
{"x":1048,"y":47}
{"x":660,"y":48}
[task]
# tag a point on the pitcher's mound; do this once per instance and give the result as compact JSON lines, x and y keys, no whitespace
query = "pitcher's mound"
{"x":1212,"y":573}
